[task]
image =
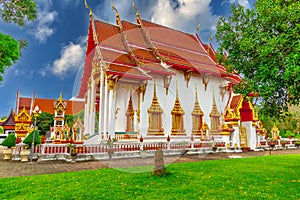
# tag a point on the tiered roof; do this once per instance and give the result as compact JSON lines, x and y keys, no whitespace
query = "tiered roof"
{"x":136,"y":51}
{"x":9,"y":122}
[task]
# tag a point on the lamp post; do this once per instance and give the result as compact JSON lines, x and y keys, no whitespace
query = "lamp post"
{"x":36,"y":112}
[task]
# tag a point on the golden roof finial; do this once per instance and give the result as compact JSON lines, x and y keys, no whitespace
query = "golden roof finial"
{"x":87,"y":7}
{"x":114,"y":8}
{"x":198,"y":27}
{"x":209,"y":42}
{"x":138,"y":18}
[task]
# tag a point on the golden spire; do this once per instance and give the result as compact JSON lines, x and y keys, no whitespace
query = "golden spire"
{"x":87,"y":7}
{"x":177,"y":97}
{"x":155,"y":107}
{"x":154,"y":91}
{"x":214,"y":111}
{"x":177,"y":109}
{"x":209,"y":42}
{"x":60,"y":96}
{"x":197,"y":110}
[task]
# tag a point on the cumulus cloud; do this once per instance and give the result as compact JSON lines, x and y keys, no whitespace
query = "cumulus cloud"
{"x":71,"y":56}
{"x":184,"y":14}
{"x":45,"y":20}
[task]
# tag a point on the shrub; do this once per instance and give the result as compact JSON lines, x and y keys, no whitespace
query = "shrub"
{"x":9,"y":141}
{"x":289,"y":134}
{"x":28,"y":139}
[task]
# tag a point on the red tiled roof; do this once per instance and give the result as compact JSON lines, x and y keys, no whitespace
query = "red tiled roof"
{"x":25,"y":102}
{"x":47,"y":105}
{"x":159,"y":33}
{"x":127,"y":71}
{"x":134,"y":34}
{"x":235,"y":102}
{"x":121,"y":50}
{"x":109,"y":35}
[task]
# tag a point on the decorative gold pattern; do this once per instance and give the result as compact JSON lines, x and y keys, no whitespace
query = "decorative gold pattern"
{"x":243,"y":136}
{"x":205,"y":80}
{"x":187,"y":77}
{"x":22,"y":123}
{"x":177,"y":117}
{"x":223,"y":90}
{"x":167,"y":81}
{"x":78,"y":130}
{"x":197,"y":115}
{"x":204,"y":131}
{"x":111,"y":83}
{"x":154,"y":113}
{"x":275,"y":132}
{"x":130,"y":117}
{"x":215,"y":118}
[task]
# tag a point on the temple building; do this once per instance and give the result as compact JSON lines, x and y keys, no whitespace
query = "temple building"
{"x":60,"y":132}
{"x":147,"y":80}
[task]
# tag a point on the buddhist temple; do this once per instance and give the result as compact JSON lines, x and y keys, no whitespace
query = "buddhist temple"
{"x":153,"y":81}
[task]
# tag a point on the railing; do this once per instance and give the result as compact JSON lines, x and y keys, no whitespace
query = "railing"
{"x":126,"y":135}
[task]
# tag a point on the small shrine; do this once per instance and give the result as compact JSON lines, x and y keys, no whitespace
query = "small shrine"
{"x":275,"y":132}
{"x":61,"y":132}
{"x":23,"y":122}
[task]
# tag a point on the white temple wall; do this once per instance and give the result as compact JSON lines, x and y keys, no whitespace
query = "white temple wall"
{"x":122,"y":98}
{"x":186,"y":97}
{"x":235,"y":137}
{"x":251,"y":134}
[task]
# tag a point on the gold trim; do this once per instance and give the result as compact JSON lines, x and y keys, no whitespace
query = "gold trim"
{"x":197,"y":115}
{"x":215,"y":118}
{"x":177,"y":117}
{"x":155,"y":118}
{"x":130,"y":116}
{"x":205,"y":80}
{"x":167,"y":81}
{"x":187,"y":76}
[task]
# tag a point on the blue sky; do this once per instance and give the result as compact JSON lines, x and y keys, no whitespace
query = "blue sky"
{"x":57,"y":39}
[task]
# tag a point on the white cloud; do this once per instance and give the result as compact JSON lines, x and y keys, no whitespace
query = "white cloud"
{"x":184,"y":14}
{"x":71,"y":57}
{"x":45,"y":20}
{"x":244,"y":3}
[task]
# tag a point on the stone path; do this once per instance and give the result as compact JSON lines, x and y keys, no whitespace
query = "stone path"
{"x":17,"y":168}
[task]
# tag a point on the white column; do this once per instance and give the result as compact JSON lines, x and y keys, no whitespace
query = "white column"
{"x":143,"y":116}
{"x":100,"y":128}
{"x":92,"y":114}
{"x":105,"y":109}
{"x":85,"y":114}
{"x":88,"y":112}
{"x":111,"y":114}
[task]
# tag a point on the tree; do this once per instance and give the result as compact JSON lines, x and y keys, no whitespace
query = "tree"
{"x":44,"y":121}
{"x":18,"y":12}
{"x":263,"y":45}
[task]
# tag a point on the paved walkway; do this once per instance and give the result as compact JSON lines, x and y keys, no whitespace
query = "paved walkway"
{"x":17,"y":168}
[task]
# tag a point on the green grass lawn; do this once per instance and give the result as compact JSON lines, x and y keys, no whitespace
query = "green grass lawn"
{"x":267,"y":177}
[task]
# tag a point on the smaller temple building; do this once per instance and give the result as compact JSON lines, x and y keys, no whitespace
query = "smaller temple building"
{"x":60,"y":131}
